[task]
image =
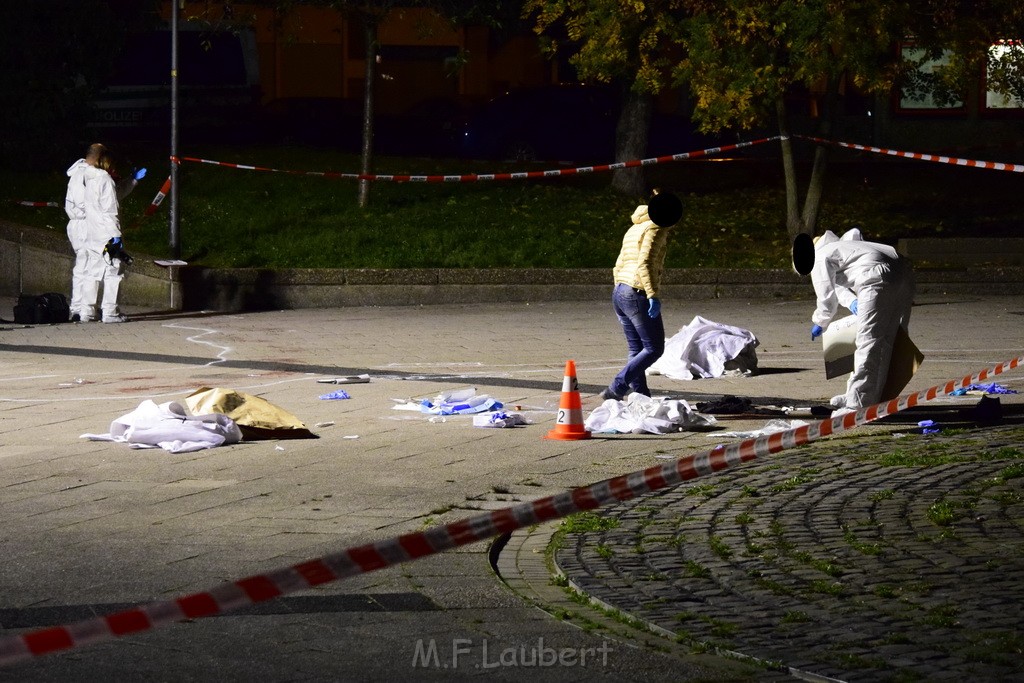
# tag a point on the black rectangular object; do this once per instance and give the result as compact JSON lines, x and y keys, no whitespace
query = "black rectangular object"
{"x":42,"y":309}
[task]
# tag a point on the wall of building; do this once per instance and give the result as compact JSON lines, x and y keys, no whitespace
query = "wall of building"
{"x":315,"y":52}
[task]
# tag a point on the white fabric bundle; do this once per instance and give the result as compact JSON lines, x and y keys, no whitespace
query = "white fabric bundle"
{"x":639,"y":413}
{"x":705,"y":349}
{"x":170,"y":427}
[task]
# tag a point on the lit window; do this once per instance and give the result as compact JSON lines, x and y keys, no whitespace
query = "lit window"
{"x":922,"y":88}
{"x":1006,"y":69}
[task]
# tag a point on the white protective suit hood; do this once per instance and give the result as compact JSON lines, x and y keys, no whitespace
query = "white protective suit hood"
{"x":824,"y":239}
{"x":74,"y":202}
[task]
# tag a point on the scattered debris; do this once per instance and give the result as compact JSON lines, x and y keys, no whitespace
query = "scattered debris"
{"x":771,"y":427}
{"x":351,"y":379}
{"x":993,"y":388}
{"x":736,"y":405}
{"x":638,"y":414}
{"x":335,"y":395}
{"x":499,"y":420}
{"x":455,"y":402}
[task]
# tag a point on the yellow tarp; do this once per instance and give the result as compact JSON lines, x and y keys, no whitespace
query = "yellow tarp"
{"x":255,"y":416}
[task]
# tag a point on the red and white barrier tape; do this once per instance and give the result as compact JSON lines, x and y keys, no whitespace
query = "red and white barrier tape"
{"x":374,"y":556}
{"x":150,"y":210}
{"x":476,"y":177}
{"x":956,"y":161}
{"x":159,"y":198}
{"x":37,"y":204}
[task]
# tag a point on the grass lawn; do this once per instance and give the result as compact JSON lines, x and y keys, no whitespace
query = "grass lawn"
{"x":734,"y":210}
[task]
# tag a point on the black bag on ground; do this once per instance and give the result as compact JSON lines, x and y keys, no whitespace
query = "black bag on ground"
{"x":41,"y":309}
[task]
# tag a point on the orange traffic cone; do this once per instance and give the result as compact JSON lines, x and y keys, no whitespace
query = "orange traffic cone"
{"x":569,"y":425}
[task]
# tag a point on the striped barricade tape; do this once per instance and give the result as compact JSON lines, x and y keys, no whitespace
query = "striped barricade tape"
{"x":374,"y":556}
{"x":956,"y":161}
{"x":478,"y":177}
{"x":159,"y":198}
{"x":36,"y":204}
{"x":150,"y":210}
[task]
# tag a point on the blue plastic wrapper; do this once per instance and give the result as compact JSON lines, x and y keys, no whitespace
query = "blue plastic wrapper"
{"x":485,"y":404}
{"x":993,"y":388}
{"x":335,"y":395}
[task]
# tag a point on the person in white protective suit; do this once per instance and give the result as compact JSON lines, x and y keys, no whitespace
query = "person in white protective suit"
{"x":92,"y":203}
{"x":877,"y":285}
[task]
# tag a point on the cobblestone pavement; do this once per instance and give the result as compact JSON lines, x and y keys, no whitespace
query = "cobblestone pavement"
{"x":895,"y":556}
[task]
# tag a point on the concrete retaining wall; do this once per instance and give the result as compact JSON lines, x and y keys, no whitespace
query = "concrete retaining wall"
{"x":33,"y":261}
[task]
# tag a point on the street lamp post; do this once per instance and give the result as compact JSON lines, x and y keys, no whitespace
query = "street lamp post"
{"x":175,"y":238}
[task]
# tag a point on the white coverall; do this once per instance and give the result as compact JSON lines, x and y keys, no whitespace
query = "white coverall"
{"x":882,"y":282}
{"x":92,"y":205}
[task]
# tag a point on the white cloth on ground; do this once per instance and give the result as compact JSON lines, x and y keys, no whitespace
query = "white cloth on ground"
{"x":770,"y":427}
{"x":170,"y":427}
{"x":639,"y":413}
{"x":705,"y":349}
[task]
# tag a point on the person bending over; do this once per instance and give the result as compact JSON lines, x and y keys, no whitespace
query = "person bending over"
{"x":877,"y":285}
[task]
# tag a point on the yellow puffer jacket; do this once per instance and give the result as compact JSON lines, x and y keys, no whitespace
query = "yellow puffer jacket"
{"x":642,"y":257}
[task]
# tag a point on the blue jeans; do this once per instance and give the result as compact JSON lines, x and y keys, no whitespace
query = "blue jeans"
{"x":645,"y":337}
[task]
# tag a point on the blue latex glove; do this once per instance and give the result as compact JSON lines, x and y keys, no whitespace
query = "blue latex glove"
{"x":653,"y":307}
{"x":117,"y":240}
{"x":815,"y":332}
{"x":140,"y":174}
{"x":853,"y":307}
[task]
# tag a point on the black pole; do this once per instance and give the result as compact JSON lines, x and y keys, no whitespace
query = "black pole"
{"x":175,"y":241}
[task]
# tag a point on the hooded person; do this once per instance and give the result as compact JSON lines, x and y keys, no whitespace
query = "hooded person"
{"x":877,"y":285}
{"x":637,"y":275}
{"x":92,"y":204}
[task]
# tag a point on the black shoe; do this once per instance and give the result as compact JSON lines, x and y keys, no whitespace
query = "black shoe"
{"x":75,"y":318}
{"x":608,"y":393}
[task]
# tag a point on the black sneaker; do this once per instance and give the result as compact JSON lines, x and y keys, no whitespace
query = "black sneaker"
{"x":608,"y":393}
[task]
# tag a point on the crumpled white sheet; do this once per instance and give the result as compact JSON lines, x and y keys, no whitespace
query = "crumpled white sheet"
{"x":770,"y":427}
{"x":638,"y":413}
{"x":705,"y":349}
{"x":170,"y":427}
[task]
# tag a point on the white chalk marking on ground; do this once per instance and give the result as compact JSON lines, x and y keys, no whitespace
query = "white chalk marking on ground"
{"x":142,"y":396}
{"x":443,"y":371}
{"x":195,"y":339}
{"x":15,"y":379}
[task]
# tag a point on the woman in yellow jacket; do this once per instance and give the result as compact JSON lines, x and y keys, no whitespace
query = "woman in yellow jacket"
{"x":637,"y":275}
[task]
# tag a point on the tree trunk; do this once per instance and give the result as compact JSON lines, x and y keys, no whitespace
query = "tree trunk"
{"x":794,"y":226}
{"x":370,"y":29}
{"x":816,"y":185}
{"x":631,"y":134}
